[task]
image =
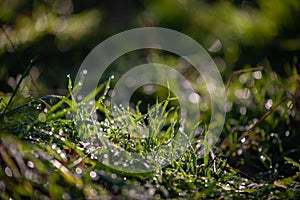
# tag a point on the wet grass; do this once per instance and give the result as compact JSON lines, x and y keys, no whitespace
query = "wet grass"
{"x":43,"y":154}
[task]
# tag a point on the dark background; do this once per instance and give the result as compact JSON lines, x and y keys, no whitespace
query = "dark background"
{"x":62,"y":33}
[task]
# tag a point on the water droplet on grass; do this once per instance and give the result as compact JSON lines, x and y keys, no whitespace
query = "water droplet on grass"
{"x":39,"y":107}
{"x":114,"y":176}
{"x":30,"y":164}
{"x":257,"y":75}
{"x":93,"y":192}
{"x":243,"y":110}
{"x":78,"y":170}
{"x":263,"y":158}
{"x":290,"y":104}
{"x":93,"y":174}
{"x":287,"y":133}
{"x":42,"y":117}
{"x":239,"y":152}
{"x":66,"y":196}
{"x":269,"y":104}
{"x":8,"y":171}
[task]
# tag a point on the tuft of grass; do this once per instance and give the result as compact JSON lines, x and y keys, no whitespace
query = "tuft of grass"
{"x":45,"y":154}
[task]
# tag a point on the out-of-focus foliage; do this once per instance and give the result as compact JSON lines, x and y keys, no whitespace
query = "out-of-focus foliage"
{"x":241,"y":32}
{"x":52,"y":30}
{"x":63,"y":32}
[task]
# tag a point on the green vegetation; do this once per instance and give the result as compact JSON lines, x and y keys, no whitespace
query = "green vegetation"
{"x":45,"y":154}
{"x":42,"y":155}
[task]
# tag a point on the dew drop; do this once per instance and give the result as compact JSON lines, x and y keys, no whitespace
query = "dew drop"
{"x":239,"y":151}
{"x":93,"y":192}
{"x":194,"y":98}
{"x":78,"y":170}
{"x":269,"y":104}
{"x":287,"y":133}
{"x":66,"y":196}
{"x":243,"y":78}
{"x":263,"y":158}
{"x":39,"y":107}
{"x":114,"y":176}
{"x":243,"y":110}
{"x":79,"y":97}
{"x":93,"y":174}
{"x":8,"y":171}
{"x":290,"y":104}
{"x":54,"y":146}
{"x":42,"y":117}
{"x":257,"y":75}
{"x":30,"y":164}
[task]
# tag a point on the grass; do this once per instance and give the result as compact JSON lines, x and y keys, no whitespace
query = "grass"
{"x":43,"y":154}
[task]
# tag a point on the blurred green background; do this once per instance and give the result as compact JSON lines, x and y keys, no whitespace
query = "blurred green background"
{"x":61,"y":33}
